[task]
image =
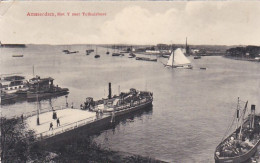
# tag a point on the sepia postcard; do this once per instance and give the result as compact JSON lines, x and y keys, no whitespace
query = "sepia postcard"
{"x":130,"y":81}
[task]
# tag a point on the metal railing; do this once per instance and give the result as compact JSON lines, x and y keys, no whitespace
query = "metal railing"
{"x":33,"y":113}
{"x":64,"y":128}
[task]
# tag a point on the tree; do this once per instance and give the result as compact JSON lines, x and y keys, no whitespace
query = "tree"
{"x":17,"y":143}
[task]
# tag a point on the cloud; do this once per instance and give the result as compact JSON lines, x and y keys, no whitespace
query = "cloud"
{"x":203,"y":23}
{"x":138,"y":25}
{"x":213,"y":22}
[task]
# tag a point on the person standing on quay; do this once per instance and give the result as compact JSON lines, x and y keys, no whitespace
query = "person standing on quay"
{"x":51,"y":126}
{"x":58,"y":122}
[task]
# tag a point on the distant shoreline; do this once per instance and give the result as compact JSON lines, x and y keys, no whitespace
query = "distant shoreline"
{"x":242,"y":59}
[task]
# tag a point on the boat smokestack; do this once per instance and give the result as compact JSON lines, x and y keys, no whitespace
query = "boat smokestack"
{"x":109,"y":91}
{"x":252,"y":116}
{"x":252,"y":108}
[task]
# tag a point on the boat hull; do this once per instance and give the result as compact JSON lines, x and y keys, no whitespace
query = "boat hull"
{"x":133,"y":108}
{"x":238,"y":159}
{"x":33,"y":95}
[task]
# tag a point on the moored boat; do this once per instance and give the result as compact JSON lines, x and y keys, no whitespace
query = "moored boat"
{"x":44,"y":88}
{"x":131,"y":55}
{"x":15,"y":84}
{"x":17,"y":55}
{"x":7,"y":98}
{"x":116,"y":54}
{"x":146,"y":59}
{"x":121,"y":104}
{"x":197,"y":57}
{"x":242,"y":144}
{"x":97,"y":56}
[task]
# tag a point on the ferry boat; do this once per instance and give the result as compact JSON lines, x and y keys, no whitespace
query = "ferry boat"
{"x":44,"y":88}
{"x":13,"y":84}
{"x":242,"y":144}
{"x":121,"y":104}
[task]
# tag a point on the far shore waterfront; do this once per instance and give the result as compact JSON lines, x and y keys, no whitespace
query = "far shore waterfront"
{"x":242,"y":58}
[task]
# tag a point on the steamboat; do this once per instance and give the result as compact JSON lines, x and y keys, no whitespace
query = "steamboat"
{"x":121,"y":104}
{"x":241,"y":145}
{"x":92,"y":117}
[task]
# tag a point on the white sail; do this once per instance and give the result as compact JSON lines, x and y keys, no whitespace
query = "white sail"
{"x":170,"y":61}
{"x":180,"y":58}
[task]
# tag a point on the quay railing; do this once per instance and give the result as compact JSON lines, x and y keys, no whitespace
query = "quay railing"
{"x":64,"y":128}
{"x":74,"y":125}
{"x":41,"y":111}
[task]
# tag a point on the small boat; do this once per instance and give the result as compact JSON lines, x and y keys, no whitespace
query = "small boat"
{"x":242,"y":144}
{"x":131,"y":55}
{"x":178,"y":60}
{"x":146,"y":59}
{"x":71,"y":52}
{"x":17,"y":55}
{"x":203,"y":68}
{"x":89,"y":50}
{"x":116,"y":54}
{"x":197,"y":57}
{"x":166,"y":55}
{"x":65,"y":51}
{"x":107,"y":51}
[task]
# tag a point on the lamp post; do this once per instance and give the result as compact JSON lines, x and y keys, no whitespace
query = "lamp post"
{"x":66,"y":101}
{"x":38,"y":118}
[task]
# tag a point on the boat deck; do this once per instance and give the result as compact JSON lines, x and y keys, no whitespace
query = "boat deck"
{"x":69,"y":119}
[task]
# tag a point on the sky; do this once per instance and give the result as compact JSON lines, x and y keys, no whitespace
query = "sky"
{"x":132,"y":22}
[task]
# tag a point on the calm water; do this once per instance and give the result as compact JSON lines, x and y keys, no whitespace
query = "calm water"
{"x":191,"y":108}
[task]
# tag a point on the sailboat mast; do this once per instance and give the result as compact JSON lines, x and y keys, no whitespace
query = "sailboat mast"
{"x":242,"y":121}
{"x":33,"y":70}
{"x":237,"y":112}
{"x":172,"y":55}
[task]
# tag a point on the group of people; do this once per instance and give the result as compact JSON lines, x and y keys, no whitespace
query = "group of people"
{"x":54,"y":116}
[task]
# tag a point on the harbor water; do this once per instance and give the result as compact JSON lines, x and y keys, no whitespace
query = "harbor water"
{"x":191,"y":109}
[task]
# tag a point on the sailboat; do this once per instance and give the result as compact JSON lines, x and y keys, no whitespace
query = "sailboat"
{"x":131,"y":54}
{"x":178,"y":60}
{"x":107,"y":51}
{"x":97,"y":56}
